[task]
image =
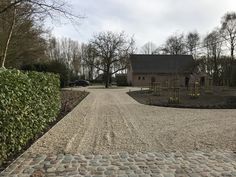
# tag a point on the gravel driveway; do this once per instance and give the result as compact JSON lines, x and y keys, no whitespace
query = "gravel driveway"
{"x":109,"y":121}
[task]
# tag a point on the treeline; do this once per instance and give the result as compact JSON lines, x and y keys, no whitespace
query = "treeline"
{"x":213,"y":52}
{"x":25,"y":42}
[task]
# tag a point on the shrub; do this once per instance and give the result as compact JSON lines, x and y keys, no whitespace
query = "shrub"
{"x":28,"y":103}
{"x":173,"y":100}
{"x":194,"y":95}
{"x":53,"y":66}
{"x":121,"y":80}
{"x":233,"y":76}
{"x":39,"y":67}
{"x":60,"y":68}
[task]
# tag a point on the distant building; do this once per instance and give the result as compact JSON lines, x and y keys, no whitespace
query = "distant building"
{"x":146,"y":69}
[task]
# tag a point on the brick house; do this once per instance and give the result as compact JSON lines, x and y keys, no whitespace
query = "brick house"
{"x":145,"y":69}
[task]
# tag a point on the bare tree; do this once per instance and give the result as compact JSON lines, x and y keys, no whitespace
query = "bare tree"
{"x":84,"y":58}
{"x":41,"y":7}
{"x":175,"y":45}
{"x":112,"y":51}
{"x":21,"y":39}
{"x":30,"y":9}
{"x":214,"y":48}
{"x":76,"y":57}
{"x":89,"y":60}
{"x":192,"y":41}
{"x":148,"y":48}
{"x":53,"y":49}
{"x":228,"y":27}
{"x":66,"y":51}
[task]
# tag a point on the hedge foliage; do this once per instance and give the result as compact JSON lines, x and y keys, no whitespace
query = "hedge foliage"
{"x":53,"y":66}
{"x":28,"y":103}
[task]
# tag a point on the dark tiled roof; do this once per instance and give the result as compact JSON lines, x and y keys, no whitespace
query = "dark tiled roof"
{"x":162,"y":63}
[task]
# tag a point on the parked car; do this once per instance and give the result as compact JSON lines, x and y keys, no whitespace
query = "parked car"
{"x":82,"y":83}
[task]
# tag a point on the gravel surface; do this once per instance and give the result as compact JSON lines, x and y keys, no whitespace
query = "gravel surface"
{"x":109,"y":121}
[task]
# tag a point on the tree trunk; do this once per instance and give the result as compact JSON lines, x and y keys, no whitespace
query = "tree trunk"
{"x":107,"y":80}
{"x":107,"y":76}
{"x":232,"y":50}
{"x":9,"y":39}
{"x":215,"y":67}
{"x":91,"y":72}
{"x":231,"y":61}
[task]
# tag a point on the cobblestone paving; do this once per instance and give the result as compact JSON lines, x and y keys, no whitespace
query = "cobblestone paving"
{"x":174,"y":164}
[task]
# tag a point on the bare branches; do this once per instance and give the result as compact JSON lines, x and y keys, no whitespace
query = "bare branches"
{"x":30,"y":13}
{"x":9,"y":6}
{"x":42,"y":8}
{"x":149,"y":48}
{"x":192,"y":41}
{"x":175,"y":45}
{"x":228,"y":27}
{"x":112,"y":51}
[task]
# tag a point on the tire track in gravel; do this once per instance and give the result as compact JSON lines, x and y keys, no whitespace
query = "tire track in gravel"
{"x":102,"y":136}
{"x":64,"y":134}
{"x":80,"y":143}
{"x":109,"y":129}
{"x":79,"y":135}
{"x":134,"y":120}
{"x":98,"y":133}
{"x":130,"y":135}
{"x":126,"y":116}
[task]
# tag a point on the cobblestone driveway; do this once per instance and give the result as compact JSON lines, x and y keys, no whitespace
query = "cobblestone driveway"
{"x":176,"y":164}
{"x":187,"y":142}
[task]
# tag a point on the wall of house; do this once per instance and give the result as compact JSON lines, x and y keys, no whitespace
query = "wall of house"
{"x":129,"y":76}
{"x":145,"y":79}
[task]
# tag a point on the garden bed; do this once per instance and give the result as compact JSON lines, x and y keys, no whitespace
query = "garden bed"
{"x":217,"y":99}
{"x":69,"y":100}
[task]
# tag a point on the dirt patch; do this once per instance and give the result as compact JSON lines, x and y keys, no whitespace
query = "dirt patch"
{"x":217,"y":99}
{"x":70,"y":99}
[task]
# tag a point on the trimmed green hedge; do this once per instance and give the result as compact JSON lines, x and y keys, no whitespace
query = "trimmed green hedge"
{"x":28,"y":103}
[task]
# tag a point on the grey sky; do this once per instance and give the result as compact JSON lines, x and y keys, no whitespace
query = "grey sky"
{"x":147,"y":20}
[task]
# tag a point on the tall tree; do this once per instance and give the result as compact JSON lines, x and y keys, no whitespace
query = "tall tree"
{"x":213,"y":46}
{"x":112,"y":51}
{"x":66,"y":51}
{"x":148,"y":48}
{"x":14,"y":12}
{"x":41,"y":8}
{"x":20,"y":37}
{"x":228,"y":27}
{"x":175,"y":45}
{"x":192,"y":41}
{"x":89,"y":57}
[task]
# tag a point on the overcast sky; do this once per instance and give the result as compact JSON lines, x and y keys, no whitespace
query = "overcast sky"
{"x":147,"y":20}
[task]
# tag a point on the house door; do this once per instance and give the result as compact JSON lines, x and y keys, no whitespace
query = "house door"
{"x":202,"y":81}
{"x":153,"y":79}
{"x":186,"y":82}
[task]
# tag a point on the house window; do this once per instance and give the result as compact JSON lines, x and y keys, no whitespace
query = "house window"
{"x":139,"y":78}
{"x":143,"y":78}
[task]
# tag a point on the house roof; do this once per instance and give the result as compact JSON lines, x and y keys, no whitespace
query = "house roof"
{"x":162,"y":63}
